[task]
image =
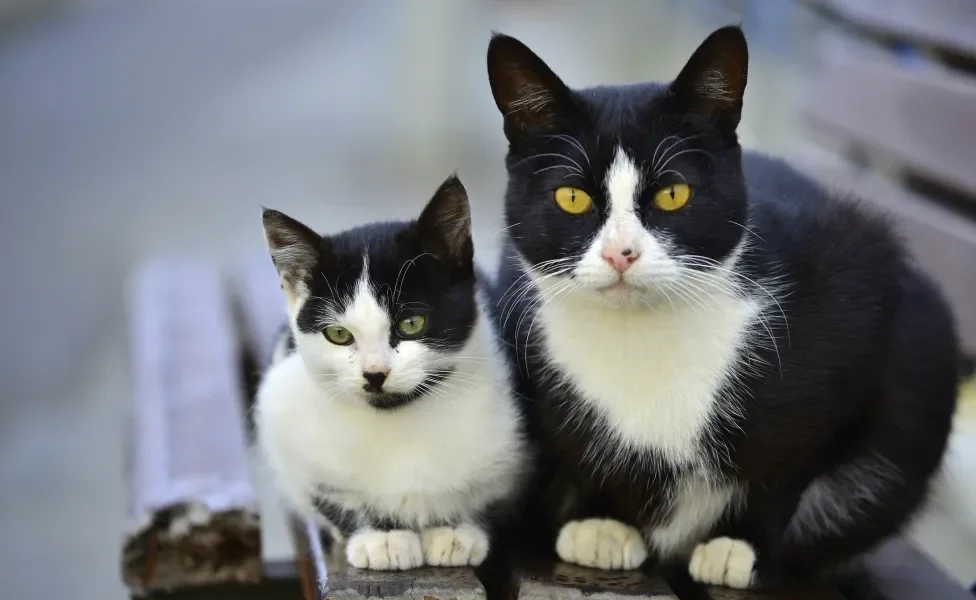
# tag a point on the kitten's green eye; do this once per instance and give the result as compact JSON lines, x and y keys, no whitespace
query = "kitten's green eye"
{"x":412,"y":327}
{"x":339,"y":336}
{"x":672,"y":197}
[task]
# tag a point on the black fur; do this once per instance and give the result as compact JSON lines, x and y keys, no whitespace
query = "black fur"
{"x":867,"y":369}
{"x":422,"y":267}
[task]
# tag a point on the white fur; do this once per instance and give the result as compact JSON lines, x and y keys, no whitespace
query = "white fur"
{"x":454,"y":546}
{"x":649,"y":350}
{"x":723,"y":561}
{"x":623,"y":230}
{"x":385,"y":550}
{"x":699,"y":502}
{"x":443,"y":457}
{"x":601,"y":543}
{"x":340,"y":368}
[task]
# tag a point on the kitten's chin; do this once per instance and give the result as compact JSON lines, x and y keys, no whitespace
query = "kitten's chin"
{"x":623,"y":295}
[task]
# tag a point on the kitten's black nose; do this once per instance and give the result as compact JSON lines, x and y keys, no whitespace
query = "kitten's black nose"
{"x":374,"y":380}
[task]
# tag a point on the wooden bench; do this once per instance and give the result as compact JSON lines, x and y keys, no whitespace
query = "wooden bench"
{"x":893,"y":99}
{"x":201,"y":518}
{"x":205,"y":522}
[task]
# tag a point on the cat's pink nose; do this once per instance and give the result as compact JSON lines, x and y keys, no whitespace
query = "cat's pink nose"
{"x":620,"y":258}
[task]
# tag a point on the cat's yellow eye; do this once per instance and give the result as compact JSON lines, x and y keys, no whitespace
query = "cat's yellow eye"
{"x":412,"y":327}
{"x":573,"y":200}
{"x":340,"y":336}
{"x":672,"y":197}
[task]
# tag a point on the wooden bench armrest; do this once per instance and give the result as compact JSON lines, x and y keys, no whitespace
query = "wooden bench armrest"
{"x":192,"y":509}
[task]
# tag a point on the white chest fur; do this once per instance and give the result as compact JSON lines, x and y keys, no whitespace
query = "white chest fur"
{"x":652,"y":375}
{"x":442,"y":457}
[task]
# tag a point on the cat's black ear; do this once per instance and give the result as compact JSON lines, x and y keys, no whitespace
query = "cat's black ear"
{"x":713,"y":80}
{"x":528,"y":94}
{"x":444,"y":226}
{"x":295,"y":249}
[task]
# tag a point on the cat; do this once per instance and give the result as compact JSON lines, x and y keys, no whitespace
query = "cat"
{"x":387,"y":413}
{"x":727,"y":367}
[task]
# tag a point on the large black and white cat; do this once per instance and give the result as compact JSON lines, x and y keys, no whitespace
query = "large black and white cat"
{"x":388,"y":407}
{"x":725,"y":365}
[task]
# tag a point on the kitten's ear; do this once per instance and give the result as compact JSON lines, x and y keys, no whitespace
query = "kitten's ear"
{"x":527,"y":92}
{"x":713,"y":80}
{"x":295,"y":249}
{"x":445,"y":225}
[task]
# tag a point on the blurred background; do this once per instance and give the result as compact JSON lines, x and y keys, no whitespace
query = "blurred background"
{"x":130,"y":128}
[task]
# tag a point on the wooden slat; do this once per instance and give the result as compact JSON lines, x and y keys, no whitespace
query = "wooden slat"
{"x":943,"y":23}
{"x":545,"y":581}
{"x":337,"y":579}
{"x":192,"y":505}
{"x":921,"y":117}
{"x":944,"y":244}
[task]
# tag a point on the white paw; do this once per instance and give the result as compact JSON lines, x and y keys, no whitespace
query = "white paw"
{"x":723,"y":561}
{"x":601,"y":543}
{"x":454,"y":546}
{"x":385,"y":550}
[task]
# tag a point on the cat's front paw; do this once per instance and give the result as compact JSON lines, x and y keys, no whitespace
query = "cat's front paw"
{"x":454,"y":546}
{"x":385,"y":550}
{"x":601,"y":543}
{"x":724,"y":561}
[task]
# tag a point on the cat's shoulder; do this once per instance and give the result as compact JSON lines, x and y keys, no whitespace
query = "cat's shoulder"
{"x":819,"y":235}
{"x":795,"y":209}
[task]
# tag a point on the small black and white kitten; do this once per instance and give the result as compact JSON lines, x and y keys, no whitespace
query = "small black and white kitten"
{"x":726,"y":365}
{"x":388,"y":408}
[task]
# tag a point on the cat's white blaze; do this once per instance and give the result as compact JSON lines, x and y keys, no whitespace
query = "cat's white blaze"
{"x":368,"y":321}
{"x":623,"y":182}
{"x":623,"y":229}
{"x":442,"y":457}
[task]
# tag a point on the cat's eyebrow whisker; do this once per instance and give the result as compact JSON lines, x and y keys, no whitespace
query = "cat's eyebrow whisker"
{"x":571,"y":170}
{"x":678,"y":173}
{"x":573,"y":141}
{"x":661,"y":143}
{"x":550,"y":155}
{"x":655,"y":161}
{"x":687,"y":151}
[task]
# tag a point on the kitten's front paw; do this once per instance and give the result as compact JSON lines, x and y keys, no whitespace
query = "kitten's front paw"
{"x":385,"y":550}
{"x":724,"y":561}
{"x":454,"y":546}
{"x":601,"y":543}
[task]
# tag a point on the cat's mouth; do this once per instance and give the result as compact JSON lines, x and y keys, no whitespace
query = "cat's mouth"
{"x":392,"y":400}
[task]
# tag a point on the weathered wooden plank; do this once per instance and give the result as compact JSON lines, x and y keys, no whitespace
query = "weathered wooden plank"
{"x":921,"y":117}
{"x":556,"y":581}
{"x":191,"y":510}
{"x":942,"y":23}
{"x":943,"y":243}
{"x":337,"y":579}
